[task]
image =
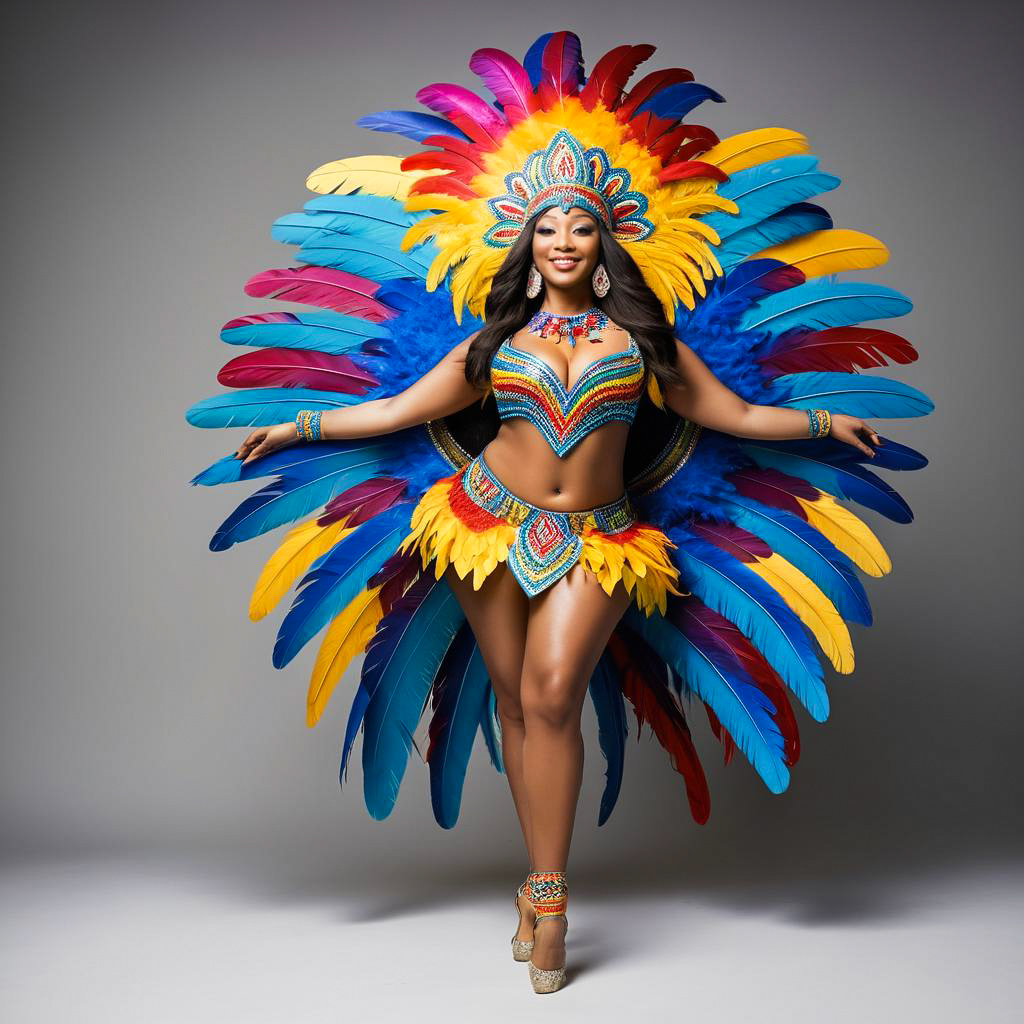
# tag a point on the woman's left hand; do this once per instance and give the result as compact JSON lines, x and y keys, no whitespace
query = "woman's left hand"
{"x":854,"y":431}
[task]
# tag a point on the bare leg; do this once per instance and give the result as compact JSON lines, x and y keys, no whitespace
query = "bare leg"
{"x":568,"y":627}
{"x":497,"y":615}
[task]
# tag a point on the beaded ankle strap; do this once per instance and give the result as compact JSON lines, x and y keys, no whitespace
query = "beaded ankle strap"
{"x":548,"y":891}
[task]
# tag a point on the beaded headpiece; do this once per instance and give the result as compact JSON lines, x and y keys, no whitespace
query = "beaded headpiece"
{"x":566,"y":175}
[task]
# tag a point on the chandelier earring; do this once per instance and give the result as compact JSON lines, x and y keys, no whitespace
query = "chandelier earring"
{"x":534,"y":282}
{"x":601,"y":282}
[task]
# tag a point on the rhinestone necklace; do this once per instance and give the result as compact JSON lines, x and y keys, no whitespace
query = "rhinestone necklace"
{"x":574,"y":327}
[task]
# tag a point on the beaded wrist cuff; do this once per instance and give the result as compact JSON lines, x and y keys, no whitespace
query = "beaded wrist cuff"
{"x":307,"y":425}
{"x":819,"y":422}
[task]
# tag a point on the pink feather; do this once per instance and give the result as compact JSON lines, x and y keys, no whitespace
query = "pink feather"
{"x":296,"y":368}
{"x":323,"y":287}
{"x":507,"y":79}
{"x":465,"y":110}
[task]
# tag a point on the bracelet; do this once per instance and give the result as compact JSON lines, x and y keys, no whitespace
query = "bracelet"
{"x":307,"y":424}
{"x":819,"y":422}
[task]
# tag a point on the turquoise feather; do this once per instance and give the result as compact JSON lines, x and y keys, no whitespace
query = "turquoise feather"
{"x":398,"y":672}
{"x":323,"y":331}
{"x":364,"y":257}
{"x":824,"y":302}
{"x":795,"y":220}
{"x":263,"y":407}
{"x":855,"y":394}
{"x":767,"y":188}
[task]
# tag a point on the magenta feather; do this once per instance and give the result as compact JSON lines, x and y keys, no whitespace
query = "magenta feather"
{"x":323,"y":287}
{"x":774,"y":488}
{"x":738,"y":542}
{"x":296,"y":368}
{"x":363,"y":501}
{"x":507,"y":79}
{"x":461,"y":106}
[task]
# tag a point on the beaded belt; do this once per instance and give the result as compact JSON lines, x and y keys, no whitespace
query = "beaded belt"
{"x":548,"y":543}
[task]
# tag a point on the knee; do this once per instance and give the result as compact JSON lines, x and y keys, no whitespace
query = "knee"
{"x":549,"y":699}
{"x":506,"y":695}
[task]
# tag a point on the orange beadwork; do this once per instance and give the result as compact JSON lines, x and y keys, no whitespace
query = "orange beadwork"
{"x":449,"y":526}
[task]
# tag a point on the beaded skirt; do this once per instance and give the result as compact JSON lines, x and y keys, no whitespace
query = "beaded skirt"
{"x":471,"y":521}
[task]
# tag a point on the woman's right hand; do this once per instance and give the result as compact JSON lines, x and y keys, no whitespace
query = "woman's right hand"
{"x":265,"y":440}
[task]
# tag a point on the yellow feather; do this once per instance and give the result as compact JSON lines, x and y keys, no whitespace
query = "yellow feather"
{"x":815,"y":610}
{"x":348,"y":634}
{"x":374,"y":175}
{"x":828,"y":251}
{"x":302,"y":545}
{"x":848,"y":533}
{"x":738,"y":152}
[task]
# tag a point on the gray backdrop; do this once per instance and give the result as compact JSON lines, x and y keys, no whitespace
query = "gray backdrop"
{"x":149,"y":149}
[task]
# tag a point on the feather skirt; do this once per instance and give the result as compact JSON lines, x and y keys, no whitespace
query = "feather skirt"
{"x":470,"y":521}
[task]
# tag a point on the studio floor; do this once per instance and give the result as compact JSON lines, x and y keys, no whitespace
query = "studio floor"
{"x":150,"y":941}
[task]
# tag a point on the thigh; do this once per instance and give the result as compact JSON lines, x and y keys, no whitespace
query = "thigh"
{"x":568,"y":627}
{"x":497,"y":614}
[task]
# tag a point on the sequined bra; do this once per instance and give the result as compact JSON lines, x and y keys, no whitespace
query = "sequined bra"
{"x":524,"y":385}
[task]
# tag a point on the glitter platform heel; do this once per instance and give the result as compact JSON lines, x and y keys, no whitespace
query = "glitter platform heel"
{"x":549,"y":894}
{"x":522,"y":949}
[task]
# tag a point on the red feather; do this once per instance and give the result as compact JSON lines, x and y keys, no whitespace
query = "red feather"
{"x":836,"y":348}
{"x":395,"y":577}
{"x":648,"y":86}
{"x":644,"y":682}
{"x":296,"y":368}
{"x":611,"y":73}
{"x":560,"y":65}
{"x":691,"y":169}
{"x":721,"y":734}
{"x":323,"y":287}
{"x":469,"y":151}
{"x":363,"y":501}
{"x":441,"y":185}
{"x":670,"y":142}
{"x":438,"y":160}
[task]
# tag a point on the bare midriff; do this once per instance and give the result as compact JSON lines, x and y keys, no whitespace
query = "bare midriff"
{"x":590,"y":475}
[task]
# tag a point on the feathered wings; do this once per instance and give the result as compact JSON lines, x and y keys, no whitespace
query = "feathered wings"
{"x":765,"y":544}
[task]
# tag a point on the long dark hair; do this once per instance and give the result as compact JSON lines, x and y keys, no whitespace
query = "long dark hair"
{"x":630,"y":303}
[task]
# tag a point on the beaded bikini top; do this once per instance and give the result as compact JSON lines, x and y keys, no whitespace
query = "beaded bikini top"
{"x":524,"y":385}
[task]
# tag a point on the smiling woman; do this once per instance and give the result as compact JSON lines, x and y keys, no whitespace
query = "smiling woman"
{"x":512,"y":523}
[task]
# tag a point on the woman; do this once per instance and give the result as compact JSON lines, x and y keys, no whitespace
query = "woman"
{"x":573,"y":215}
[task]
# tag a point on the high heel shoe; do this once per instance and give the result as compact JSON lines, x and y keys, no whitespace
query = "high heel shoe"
{"x":549,"y":895}
{"x":522,"y":949}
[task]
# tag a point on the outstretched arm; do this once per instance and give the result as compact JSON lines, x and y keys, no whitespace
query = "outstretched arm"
{"x":439,"y":392}
{"x":704,"y":399}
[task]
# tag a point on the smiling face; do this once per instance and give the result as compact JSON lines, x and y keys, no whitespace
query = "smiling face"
{"x":566,"y":246}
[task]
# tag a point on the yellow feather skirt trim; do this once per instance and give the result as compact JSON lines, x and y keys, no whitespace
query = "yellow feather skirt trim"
{"x":640,"y":560}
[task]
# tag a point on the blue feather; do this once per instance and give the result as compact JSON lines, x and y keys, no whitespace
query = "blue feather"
{"x":612,"y":729}
{"x":842,"y":480}
{"x":364,"y":257}
{"x":825,"y":302}
{"x":398,"y":671}
{"x":793,"y":221}
{"x":855,"y":394}
{"x":410,"y":123}
{"x":323,"y":331}
{"x":338,"y":579}
{"x":261,"y":407}
{"x":676,"y":101}
{"x":716,"y":679}
{"x":532,"y":60}
{"x":732,"y":294}
{"x":768,"y":188}
{"x":303,"y":487}
{"x":355,"y":719}
{"x":727,"y":586}
{"x":806,"y":548}
{"x":490,"y":726}
{"x":462,"y":688}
